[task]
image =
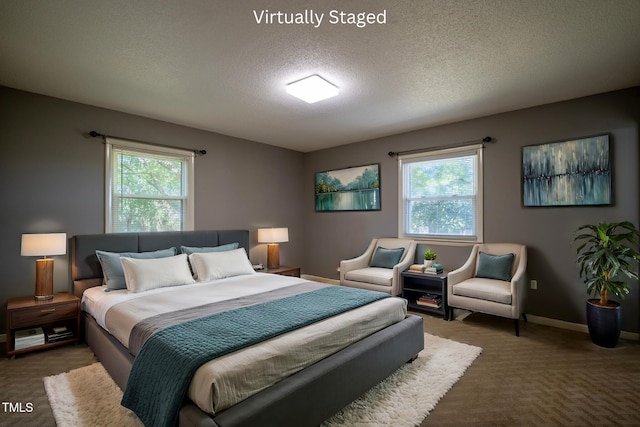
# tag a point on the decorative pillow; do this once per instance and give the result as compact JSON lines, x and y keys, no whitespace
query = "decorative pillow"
{"x":112,"y":268}
{"x":218,"y":265}
{"x":190,"y":250}
{"x":386,"y":258}
{"x":144,"y":274}
{"x":495,"y":266}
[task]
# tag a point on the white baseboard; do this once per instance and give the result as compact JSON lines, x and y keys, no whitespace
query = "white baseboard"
{"x":575,"y":326}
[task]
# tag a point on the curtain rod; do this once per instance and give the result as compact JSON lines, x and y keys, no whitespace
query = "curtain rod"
{"x":94,"y":134}
{"x":441,"y":147}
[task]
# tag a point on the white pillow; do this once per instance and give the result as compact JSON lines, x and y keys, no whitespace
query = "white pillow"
{"x":145,"y":274}
{"x":218,"y":265}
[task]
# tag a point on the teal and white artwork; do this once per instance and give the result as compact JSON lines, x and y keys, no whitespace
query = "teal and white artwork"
{"x":351,"y":189}
{"x":569,"y":173}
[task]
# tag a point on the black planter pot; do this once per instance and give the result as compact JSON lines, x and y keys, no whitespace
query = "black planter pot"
{"x":604,"y":323}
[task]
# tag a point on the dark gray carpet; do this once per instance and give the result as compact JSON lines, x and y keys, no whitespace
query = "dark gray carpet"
{"x":545,"y":377}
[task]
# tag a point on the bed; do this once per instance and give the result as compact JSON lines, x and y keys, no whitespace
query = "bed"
{"x":307,"y":396}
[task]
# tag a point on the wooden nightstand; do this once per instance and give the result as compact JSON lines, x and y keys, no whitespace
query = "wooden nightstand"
{"x":284,"y":270}
{"x":27,"y":313}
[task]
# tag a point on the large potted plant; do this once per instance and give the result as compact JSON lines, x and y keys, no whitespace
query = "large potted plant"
{"x":606,"y":253}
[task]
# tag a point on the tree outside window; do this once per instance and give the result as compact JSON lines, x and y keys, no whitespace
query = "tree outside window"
{"x":442,"y":195}
{"x":148,"y":189}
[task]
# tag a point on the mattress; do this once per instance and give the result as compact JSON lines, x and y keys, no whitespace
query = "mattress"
{"x":225,"y":381}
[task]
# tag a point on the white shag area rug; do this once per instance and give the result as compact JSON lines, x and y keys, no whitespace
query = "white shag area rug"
{"x":88,"y":397}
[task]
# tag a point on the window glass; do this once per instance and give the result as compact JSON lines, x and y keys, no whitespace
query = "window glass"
{"x":148,"y":188}
{"x":442,"y":195}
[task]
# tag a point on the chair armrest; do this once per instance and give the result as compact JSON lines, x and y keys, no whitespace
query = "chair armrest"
{"x":361,"y":261}
{"x":463,"y":273}
{"x":403,"y":265}
{"x":519,"y":281}
{"x":354,"y":263}
{"x":466,"y":271}
{"x":519,"y":276}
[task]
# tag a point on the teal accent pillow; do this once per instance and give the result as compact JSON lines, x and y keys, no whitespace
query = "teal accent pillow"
{"x":386,"y":258}
{"x":495,"y":266}
{"x":112,"y":267}
{"x":192,"y":249}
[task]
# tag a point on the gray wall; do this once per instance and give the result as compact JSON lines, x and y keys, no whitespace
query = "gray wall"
{"x":52,"y":180}
{"x":547,"y":232}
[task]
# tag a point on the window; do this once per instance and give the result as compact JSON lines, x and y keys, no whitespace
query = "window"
{"x":149,"y":188}
{"x":441,"y":195}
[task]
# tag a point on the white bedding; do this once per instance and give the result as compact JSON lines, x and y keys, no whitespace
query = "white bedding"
{"x":227,"y":380}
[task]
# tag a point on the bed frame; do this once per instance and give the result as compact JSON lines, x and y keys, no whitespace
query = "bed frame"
{"x":306,"y":398}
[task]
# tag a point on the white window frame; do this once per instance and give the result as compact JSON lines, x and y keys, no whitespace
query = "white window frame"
{"x":403,"y":201}
{"x":187,"y":156}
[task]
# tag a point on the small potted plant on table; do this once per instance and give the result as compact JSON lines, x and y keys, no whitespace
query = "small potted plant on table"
{"x":606,"y":252}
{"x":429,"y":257}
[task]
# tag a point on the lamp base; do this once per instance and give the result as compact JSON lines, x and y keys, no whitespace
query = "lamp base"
{"x":44,"y":279}
{"x":273,"y":255}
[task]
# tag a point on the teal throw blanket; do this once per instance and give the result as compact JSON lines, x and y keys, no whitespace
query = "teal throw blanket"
{"x":162,"y":371}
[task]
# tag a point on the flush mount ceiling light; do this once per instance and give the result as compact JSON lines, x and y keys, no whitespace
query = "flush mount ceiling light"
{"x":312,"y":89}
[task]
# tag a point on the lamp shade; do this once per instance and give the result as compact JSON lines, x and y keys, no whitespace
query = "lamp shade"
{"x":44,"y":244}
{"x":273,"y":235}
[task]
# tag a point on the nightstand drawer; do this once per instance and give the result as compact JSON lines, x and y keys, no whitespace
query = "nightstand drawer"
{"x":42,"y":315}
{"x":294,"y":272}
{"x":27,"y":312}
{"x":284,"y":270}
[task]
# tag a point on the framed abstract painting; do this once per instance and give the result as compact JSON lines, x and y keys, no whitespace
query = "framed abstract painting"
{"x":568,"y":173}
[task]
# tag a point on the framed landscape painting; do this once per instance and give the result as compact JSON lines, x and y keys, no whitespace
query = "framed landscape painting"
{"x":569,"y":173}
{"x":351,"y":189}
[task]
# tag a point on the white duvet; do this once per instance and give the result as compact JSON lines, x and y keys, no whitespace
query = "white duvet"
{"x":227,"y":380}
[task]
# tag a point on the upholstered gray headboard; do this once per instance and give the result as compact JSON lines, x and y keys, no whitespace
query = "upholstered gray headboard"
{"x":85,"y":267}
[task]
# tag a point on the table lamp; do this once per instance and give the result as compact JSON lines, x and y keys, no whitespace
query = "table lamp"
{"x":273,"y":236}
{"x":44,"y":245}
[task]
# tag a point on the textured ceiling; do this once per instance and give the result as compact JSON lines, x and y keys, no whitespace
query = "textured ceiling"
{"x":208,"y":64}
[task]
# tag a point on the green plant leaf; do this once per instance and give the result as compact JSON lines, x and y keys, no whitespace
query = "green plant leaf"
{"x":604,"y":252}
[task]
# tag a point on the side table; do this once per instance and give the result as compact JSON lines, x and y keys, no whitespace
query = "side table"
{"x":415,"y":284}
{"x":27,"y":313}
{"x":284,"y":270}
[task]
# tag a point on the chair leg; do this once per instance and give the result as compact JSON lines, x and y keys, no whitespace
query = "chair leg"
{"x":517,"y":323}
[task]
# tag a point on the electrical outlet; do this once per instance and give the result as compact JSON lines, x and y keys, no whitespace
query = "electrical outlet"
{"x":534,"y":284}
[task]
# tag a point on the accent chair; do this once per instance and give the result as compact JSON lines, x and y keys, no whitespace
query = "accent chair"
{"x":380,"y":267}
{"x":491,"y":281}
